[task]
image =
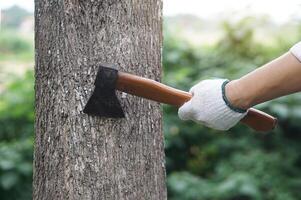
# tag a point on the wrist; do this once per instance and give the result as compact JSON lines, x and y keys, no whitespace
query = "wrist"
{"x":237,"y":95}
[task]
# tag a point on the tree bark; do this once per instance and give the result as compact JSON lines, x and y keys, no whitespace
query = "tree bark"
{"x":81,"y":157}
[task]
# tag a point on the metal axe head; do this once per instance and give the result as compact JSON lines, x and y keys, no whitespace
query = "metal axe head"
{"x":103,"y":101}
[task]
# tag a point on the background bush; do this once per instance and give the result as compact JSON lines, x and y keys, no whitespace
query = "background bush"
{"x":16,"y":138}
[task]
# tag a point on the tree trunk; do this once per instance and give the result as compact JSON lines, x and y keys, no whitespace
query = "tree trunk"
{"x":81,"y":157}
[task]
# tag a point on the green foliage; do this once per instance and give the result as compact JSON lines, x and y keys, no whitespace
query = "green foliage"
{"x":16,"y":138}
{"x":189,"y":187}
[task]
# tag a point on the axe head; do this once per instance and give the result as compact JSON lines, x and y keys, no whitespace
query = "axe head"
{"x":103,"y":101}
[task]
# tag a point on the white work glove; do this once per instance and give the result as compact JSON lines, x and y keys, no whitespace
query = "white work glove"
{"x":209,"y":106}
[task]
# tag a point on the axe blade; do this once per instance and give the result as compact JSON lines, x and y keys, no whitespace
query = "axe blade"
{"x":103,"y":101}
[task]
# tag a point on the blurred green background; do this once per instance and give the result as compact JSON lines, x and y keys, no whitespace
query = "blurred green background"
{"x":202,"y":164}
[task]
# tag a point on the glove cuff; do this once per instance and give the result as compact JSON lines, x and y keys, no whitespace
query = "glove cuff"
{"x":227,"y":102}
{"x":296,"y":51}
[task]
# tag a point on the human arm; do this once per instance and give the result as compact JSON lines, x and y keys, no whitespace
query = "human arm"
{"x":277,"y":78}
{"x":220,"y":105}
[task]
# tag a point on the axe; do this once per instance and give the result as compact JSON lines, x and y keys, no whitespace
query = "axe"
{"x":104,"y":102}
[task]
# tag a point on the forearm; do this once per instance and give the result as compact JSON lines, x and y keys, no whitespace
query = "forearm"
{"x":280,"y":77}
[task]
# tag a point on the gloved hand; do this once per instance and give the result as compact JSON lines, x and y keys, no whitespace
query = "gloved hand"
{"x":209,"y":106}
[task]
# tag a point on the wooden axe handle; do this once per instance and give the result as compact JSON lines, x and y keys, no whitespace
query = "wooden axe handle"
{"x":159,"y":92}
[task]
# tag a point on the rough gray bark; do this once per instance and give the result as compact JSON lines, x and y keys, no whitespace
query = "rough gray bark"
{"x":82,"y":157}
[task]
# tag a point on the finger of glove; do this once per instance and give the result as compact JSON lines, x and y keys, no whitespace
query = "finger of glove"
{"x":200,"y":86}
{"x":220,"y":128}
{"x":195,"y":87}
{"x":185,"y":111}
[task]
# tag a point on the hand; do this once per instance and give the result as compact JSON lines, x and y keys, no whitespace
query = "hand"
{"x":209,"y":106}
